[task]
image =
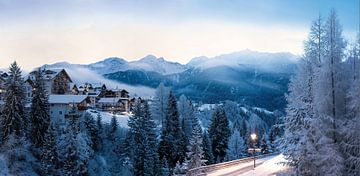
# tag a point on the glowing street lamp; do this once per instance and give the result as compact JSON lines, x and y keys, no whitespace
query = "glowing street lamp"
{"x":253,"y":138}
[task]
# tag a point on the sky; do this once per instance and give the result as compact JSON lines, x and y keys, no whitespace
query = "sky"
{"x":35,"y":32}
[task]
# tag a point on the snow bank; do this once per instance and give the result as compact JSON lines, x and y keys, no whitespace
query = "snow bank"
{"x":269,"y":167}
{"x":106,"y":117}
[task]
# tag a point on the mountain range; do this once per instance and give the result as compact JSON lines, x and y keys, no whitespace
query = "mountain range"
{"x":249,"y":77}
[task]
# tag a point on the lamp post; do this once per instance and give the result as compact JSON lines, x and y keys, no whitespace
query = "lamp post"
{"x":253,"y":139}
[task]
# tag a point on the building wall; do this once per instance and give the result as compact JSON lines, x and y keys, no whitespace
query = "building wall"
{"x":57,"y":112}
{"x":60,"y":84}
{"x":28,"y":91}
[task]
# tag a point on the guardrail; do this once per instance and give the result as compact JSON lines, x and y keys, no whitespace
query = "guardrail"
{"x":203,"y":170}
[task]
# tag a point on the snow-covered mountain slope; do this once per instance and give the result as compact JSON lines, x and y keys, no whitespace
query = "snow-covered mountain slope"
{"x":160,"y":65}
{"x":245,"y":76}
{"x":109,"y":65}
{"x":148,"y":63}
{"x":262,"y":60}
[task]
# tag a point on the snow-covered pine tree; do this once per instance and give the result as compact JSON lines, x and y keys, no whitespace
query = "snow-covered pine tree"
{"x":330,"y":99}
{"x":50,"y":161}
{"x":196,"y":153}
{"x":16,"y":151}
{"x":99,"y":122}
{"x":151,"y":155}
{"x":172,"y":144}
{"x":39,"y":115}
{"x":161,"y":103}
{"x":315,"y":44}
{"x":15,"y":145}
{"x":76,"y":145}
{"x":99,"y":125}
{"x":179,"y":169}
{"x":317,"y":104}
{"x":13,"y":117}
{"x":141,"y":141}
{"x":113,"y":128}
{"x":186,"y":114}
{"x":72,"y":162}
{"x":231,"y":109}
{"x":136,"y":139}
{"x":219,"y":133}
{"x":298,"y":118}
{"x":236,"y":146}
{"x":351,"y":130}
{"x":208,"y":155}
{"x":165,"y":169}
{"x":92,"y":131}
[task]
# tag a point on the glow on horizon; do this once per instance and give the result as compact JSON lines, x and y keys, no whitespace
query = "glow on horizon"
{"x":35,"y":32}
{"x":176,"y":43}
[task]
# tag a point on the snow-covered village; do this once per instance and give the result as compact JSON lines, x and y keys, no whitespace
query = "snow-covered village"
{"x":179,"y":88}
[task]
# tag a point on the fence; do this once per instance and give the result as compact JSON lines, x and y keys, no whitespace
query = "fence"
{"x":203,"y":170}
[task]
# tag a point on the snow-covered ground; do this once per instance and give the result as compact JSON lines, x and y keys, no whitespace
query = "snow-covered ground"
{"x":106,"y":117}
{"x":264,"y":167}
{"x":272,"y":166}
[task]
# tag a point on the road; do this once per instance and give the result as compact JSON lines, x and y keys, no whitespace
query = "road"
{"x":264,"y":167}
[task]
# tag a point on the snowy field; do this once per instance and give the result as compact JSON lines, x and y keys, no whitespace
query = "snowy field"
{"x":106,"y":117}
{"x":268,"y":166}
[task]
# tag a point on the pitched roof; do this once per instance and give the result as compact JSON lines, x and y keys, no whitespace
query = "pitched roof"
{"x":66,"y":99}
{"x":51,"y":73}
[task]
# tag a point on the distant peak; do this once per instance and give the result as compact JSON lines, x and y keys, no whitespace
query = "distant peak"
{"x":114,"y":59}
{"x":152,"y":58}
{"x":149,"y":57}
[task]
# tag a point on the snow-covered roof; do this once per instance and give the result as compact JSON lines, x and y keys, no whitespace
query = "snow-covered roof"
{"x":50,"y":73}
{"x":66,"y":99}
{"x":109,"y":100}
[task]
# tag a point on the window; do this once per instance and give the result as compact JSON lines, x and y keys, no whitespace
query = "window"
{"x":60,"y":112}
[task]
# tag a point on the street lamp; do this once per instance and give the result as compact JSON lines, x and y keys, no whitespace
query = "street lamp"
{"x":253,"y":138}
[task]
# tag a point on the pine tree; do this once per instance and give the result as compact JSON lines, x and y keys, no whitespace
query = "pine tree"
{"x":172,"y":144}
{"x":39,"y":115}
{"x":92,"y":131}
{"x":142,"y":141}
{"x":165,"y":169}
{"x":50,"y":160}
{"x":112,"y":133}
{"x":208,"y":156}
{"x":161,"y":103}
{"x":298,"y":118}
{"x":186,"y":114}
{"x":351,"y":136}
{"x":219,"y":133}
{"x":100,"y":131}
{"x":13,"y":116}
{"x":151,"y":155}
{"x":236,"y":146}
{"x":136,"y":139}
{"x":317,"y":104}
{"x":196,"y":153}
{"x":330,"y":95}
{"x":77,"y":149}
{"x":72,"y":159}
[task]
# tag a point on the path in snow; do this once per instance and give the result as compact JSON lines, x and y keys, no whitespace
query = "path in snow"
{"x":264,"y":167}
